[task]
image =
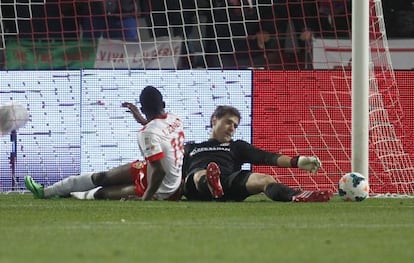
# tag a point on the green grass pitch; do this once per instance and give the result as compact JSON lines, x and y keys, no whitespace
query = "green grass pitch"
{"x":257,"y":230}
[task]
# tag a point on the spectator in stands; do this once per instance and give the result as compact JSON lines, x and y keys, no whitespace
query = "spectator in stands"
{"x":335,"y":18}
{"x":49,"y":20}
{"x":8,"y":17}
{"x":246,"y":33}
{"x":293,"y":20}
{"x":399,"y":18}
{"x":164,"y":17}
{"x":195,"y":14}
{"x":178,"y":18}
{"x":115,"y":19}
{"x":229,"y":34}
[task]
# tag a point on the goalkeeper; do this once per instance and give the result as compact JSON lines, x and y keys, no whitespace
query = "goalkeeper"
{"x":212,"y":169}
{"x":161,"y":142}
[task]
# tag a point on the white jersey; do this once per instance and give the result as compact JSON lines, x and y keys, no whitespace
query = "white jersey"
{"x":163,"y":139}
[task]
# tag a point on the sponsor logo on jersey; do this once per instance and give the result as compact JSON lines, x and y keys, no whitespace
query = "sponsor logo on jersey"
{"x":209,"y":149}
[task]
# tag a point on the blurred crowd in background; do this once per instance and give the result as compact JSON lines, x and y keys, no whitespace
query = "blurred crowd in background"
{"x":255,"y":33}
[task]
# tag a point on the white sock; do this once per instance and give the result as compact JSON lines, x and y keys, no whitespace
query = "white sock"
{"x":88,"y":195}
{"x":74,"y":183}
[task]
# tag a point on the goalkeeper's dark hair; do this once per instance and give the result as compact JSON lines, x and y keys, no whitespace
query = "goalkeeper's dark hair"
{"x":223,"y":110}
{"x":151,"y":100}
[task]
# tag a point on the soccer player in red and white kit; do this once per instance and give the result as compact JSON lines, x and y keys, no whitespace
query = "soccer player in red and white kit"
{"x":159,"y":177}
{"x":213,"y":168}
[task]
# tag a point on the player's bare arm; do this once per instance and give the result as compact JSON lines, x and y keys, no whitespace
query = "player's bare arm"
{"x":155,"y":180}
{"x":135,"y":112}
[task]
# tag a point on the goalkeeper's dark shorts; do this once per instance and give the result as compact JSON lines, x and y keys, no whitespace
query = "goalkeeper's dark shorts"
{"x":234,"y":187}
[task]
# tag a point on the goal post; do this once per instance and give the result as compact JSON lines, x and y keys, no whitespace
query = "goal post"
{"x":360,"y":86}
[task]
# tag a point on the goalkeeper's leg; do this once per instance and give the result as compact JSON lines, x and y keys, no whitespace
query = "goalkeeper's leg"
{"x":264,"y":183}
{"x":258,"y":183}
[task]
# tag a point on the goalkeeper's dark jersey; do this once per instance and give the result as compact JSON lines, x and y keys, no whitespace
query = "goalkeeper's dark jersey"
{"x":229,"y":156}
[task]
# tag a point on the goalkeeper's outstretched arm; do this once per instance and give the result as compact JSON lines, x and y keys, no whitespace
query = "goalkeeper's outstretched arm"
{"x":307,"y":163}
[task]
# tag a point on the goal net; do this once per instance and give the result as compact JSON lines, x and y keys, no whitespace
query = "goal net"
{"x":178,"y":34}
{"x":285,"y":64}
{"x":318,"y":118}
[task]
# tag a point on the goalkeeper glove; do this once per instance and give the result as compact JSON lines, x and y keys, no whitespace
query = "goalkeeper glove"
{"x":307,"y":163}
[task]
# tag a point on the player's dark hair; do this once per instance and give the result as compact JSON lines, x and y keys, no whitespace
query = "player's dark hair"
{"x":223,"y":110}
{"x":151,"y":100}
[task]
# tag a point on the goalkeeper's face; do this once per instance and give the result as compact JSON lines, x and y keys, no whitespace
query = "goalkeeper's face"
{"x":224,"y":128}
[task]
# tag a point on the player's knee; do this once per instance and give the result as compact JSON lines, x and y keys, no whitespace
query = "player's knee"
{"x":268,"y":179}
{"x":99,"y":178}
{"x":100,"y":194}
{"x":258,"y":182}
{"x":202,"y":186}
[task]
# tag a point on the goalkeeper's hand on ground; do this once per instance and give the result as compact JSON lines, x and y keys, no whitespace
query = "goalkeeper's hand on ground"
{"x":307,"y":163}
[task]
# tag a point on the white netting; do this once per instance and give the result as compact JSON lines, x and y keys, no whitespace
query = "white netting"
{"x":386,"y":112}
{"x":66,"y":34}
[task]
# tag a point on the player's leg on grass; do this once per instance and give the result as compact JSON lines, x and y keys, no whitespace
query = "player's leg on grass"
{"x":117,"y":182}
{"x":115,"y":192}
{"x":63,"y":188}
{"x":36,"y":189}
{"x":78,"y":183}
{"x":120,"y":175}
{"x":258,"y":183}
{"x":264,"y":183}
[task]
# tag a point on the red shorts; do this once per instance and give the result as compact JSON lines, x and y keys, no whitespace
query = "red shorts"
{"x":139,"y":176}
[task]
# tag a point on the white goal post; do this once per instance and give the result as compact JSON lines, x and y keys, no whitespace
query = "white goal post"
{"x":360,"y":86}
